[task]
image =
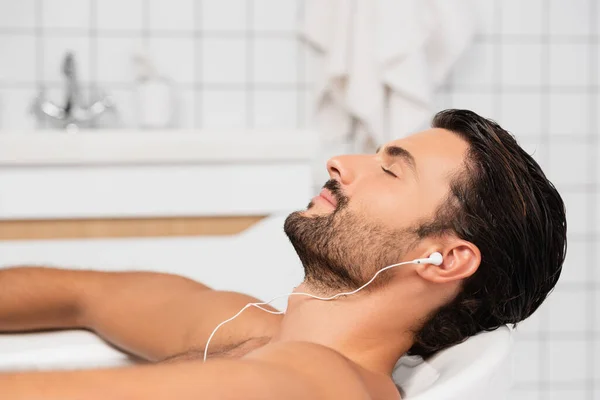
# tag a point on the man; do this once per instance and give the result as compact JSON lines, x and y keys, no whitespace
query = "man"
{"x":464,"y":189}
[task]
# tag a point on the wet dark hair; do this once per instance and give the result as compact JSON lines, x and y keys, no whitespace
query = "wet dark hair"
{"x":503,"y":203}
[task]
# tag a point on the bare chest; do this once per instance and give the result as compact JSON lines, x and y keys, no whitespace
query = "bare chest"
{"x":236,"y":350}
{"x":378,"y":388}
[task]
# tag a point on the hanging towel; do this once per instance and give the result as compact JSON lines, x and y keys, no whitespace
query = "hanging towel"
{"x":382,"y":61}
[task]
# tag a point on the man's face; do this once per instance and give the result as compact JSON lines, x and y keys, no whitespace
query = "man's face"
{"x":365,"y":226}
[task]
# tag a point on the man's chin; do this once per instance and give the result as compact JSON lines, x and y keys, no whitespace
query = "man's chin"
{"x":308,"y":214}
{"x":317,"y":209}
{"x":313,"y":212}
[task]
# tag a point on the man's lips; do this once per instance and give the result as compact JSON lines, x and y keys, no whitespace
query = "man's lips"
{"x":327,"y":195}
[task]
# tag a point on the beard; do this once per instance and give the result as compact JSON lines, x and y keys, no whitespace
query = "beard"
{"x":341,"y":251}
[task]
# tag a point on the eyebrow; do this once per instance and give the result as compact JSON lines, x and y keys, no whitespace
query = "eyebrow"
{"x":401,"y":153}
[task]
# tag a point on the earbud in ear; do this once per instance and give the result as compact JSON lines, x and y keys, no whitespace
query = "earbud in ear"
{"x":435,"y":259}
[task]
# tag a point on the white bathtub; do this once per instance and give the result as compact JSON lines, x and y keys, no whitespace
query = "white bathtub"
{"x":260,"y":262}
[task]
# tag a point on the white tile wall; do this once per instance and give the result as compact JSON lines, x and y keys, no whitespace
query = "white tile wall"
{"x":17,"y":14}
{"x":224,"y":60}
{"x":186,"y":110}
{"x":570,"y":17}
{"x":275,"y":15}
{"x":481,"y":103}
{"x":512,"y":108}
{"x":174,"y":57}
{"x":66,"y":14}
{"x":575,"y":268}
{"x":275,"y":109}
{"x":19,"y":60}
{"x":569,"y":114}
{"x":524,"y":394}
{"x":16,"y":103}
{"x":595,"y":149}
{"x":213,"y":50}
{"x":577,"y":205}
{"x":442,"y":100}
{"x":119,"y":15}
{"x":566,"y":58}
{"x":172,"y":15}
{"x":521,"y":64}
{"x":476,"y":67}
{"x":121,"y":51}
{"x":126,"y":113}
{"x":567,"y":312}
{"x":224,"y":16}
{"x":596,"y":319}
{"x":237,"y":64}
{"x":571,"y":394}
{"x":533,"y":145}
{"x":486,"y":15}
{"x":562,"y":355}
{"x":596,"y":199}
{"x":569,"y":163}
{"x":521,"y":17}
{"x":223,"y":109}
{"x":311,"y":64}
{"x":306,"y":109}
{"x":594,"y":274}
{"x":282,"y":64}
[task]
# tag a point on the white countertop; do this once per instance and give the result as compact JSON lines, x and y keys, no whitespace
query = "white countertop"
{"x":49,"y":147}
{"x":113,"y":174}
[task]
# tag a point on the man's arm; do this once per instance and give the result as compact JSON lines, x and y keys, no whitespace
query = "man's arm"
{"x":219,"y":379}
{"x":152,"y":315}
{"x":285,"y":370}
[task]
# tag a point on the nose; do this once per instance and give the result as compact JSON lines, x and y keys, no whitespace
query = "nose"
{"x":340,"y":169}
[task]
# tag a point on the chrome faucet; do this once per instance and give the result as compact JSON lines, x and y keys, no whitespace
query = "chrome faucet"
{"x":74,"y":114}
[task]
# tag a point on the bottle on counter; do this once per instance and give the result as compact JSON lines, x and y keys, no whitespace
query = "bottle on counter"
{"x":155,"y":96}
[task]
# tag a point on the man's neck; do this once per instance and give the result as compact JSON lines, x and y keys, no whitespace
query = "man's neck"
{"x":363,"y":327}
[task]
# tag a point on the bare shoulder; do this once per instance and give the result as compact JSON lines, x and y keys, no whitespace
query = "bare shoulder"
{"x":334,"y":375}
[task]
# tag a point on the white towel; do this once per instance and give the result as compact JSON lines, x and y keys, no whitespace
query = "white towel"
{"x":383,"y":60}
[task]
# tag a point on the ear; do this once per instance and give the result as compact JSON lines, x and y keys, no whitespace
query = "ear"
{"x":461,"y":260}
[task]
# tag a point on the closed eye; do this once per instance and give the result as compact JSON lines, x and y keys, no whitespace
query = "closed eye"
{"x":389,"y":172}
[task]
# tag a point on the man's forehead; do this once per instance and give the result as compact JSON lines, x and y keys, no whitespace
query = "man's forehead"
{"x":426,"y":136}
{"x":435,"y":148}
{"x":432,"y":141}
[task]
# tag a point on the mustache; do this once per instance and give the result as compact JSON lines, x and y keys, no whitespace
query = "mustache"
{"x":336,"y":190}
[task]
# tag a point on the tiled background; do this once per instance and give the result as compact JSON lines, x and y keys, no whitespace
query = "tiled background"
{"x":235,"y":63}
{"x":238,"y":64}
{"x":535,"y":68}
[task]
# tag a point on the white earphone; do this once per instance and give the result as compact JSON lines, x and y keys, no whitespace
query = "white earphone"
{"x":435,"y":259}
